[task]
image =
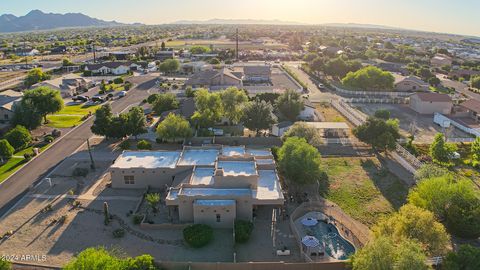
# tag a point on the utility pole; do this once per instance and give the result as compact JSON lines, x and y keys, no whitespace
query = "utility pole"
{"x":237,"y":46}
{"x":92,"y":164}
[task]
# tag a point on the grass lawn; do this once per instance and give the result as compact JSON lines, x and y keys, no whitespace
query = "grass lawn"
{"x":10,"y":167}
{"x":70,"y":115}
{"x":363,"y":189}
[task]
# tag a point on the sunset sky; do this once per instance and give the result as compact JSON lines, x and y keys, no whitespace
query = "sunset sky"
{"x":449,"y":16}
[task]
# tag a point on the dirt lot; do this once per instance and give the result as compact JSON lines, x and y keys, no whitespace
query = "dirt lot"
{"x":425,"y":127}
{"x":281,"y":80}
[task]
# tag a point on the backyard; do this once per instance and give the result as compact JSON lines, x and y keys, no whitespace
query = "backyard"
{"x":363,"y":188}
{"x":71,"y":115}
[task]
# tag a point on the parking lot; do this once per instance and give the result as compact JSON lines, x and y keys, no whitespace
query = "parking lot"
{"x":425,"y":128}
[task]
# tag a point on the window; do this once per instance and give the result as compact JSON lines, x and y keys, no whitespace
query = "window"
{"x":218,"y":217}
{"x":129,"y":179}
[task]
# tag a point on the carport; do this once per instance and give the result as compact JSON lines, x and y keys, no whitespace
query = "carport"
{"x":331,"y":129}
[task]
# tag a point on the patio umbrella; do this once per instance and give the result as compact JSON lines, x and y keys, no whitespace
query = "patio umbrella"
{"x":309,"y":221}
{"x":310,"y":241}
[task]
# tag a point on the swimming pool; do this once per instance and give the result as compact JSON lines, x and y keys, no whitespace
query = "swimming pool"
{"x":328,"y":235}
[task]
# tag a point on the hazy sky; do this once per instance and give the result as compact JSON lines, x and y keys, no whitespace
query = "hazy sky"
{"x":450,"y":16}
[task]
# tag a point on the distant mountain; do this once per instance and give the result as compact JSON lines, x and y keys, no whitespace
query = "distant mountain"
{"x":241,"y":21}
{"x":359,"y":25}
{"x":38,"y":20}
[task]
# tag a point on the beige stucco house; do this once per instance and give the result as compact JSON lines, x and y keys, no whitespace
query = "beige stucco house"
{"x":430,"y":103}
{"x":411,"y":84}
{"x":211,"y":185}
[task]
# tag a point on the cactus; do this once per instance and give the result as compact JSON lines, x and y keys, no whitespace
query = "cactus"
{"x":106,"y":213}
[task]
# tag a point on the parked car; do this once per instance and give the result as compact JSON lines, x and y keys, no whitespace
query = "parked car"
{"x":80,"y":98}
{"x":122,"y":94}
{"x":321,"y":86}
{"x":216,"y":131}
{"x":98,"y":99}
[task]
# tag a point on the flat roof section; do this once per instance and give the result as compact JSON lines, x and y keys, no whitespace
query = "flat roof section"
{"x":215,"y":192}
{"x":196,"y":157}
{"x":264,"y":161}
{"x":149,"y":160}
{"x":230,"y":151}
{"x":259,"y":152}
{"x":215,"y":202}
{"x":202,"y":176}
{"x":268,"y":186}
{"x":237,"y":167}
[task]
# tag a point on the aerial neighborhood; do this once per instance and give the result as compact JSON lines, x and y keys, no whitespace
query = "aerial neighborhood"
{"x":230,"y":144}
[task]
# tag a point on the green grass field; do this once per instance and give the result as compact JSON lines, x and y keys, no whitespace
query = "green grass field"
{"x":363,"y":189}
{"x":70,"y":115}
{"x":10,"y":167}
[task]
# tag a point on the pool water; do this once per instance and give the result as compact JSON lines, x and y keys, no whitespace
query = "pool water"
{"x":335,"y":245}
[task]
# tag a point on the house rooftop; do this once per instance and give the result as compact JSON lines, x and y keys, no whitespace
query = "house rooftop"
{"x":215,"y":202}
{"x":237,"y":192}
{"x":202,"y":176}
{"x":471,"y":105}
{"x":8,"y":98}
{"x":198,"y":157}
{"x":434,"y":97}
{"x":268,"y":186}
{"x":230,"y":151}
{"x":147,"y":159}
{"x":237,"y":167}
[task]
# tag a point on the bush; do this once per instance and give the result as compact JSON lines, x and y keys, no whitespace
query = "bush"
{"x":125,"y":145}
{"x":137,"y":219}
{"x":198,"y":235}
{"x":19,"y":137}
{"x":118,"y":80}
{"x":5,"y":265}
{"x":243,"y":230}
{"x":48,"y":138}
{"x":119,"y":233}
{"x":6,"y":150}
{"x":144,"y":145}
{"x":382,"y":114}
{"x":80,"y":172}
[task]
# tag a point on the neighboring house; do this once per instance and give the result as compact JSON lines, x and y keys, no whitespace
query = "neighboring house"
{"x":440,"y":60}
{"x":331,"y":51}
{"x":472,"y":107}
{"x":430,"y":103}
{"x":392,"y":67}
{"x":164,"y":55}
{"x":27,"y":52}
{"x":59,"y":50}
{"x":121,"y":56}
{"x":411,"y":84}
{"x":68,"y":85}
{"x":112,"y":68}
{"x":279,"y":129}
{"x":194,"y":67}
{"x":257,"y":74}
{"x":8,"y":99}
{"x":214,"y":79}
{"x":308,"y":112}
{"x":463,"y":73}
{"x":213,"y":185}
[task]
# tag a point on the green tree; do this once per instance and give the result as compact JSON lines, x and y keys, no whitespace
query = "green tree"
{"x":475,"y":82}
{"x":302,"y":130}
{"x":144,"y":145}
{"x":431,"y":170}
{"x":153,"y":199}
{"x":103,"y":120}
{"x":162,"y":46}
{"x":165,"y":102}
{"x":339,"y":68}
{"x":169,"y":66}
{"x":209,"y":108}
{"x":475,"y":150}
{"x":417,"y":224}
{"x":381,"y":135}
{"x":34,"y":76}
{"x":466,"y":258}
{"x":442,"y":152}
{"x":152,"y":98}
{"x":26,"y":115}
{"x":299,"y":161}
{"x":118,"y":127}
{"x":463,"y":217}
{"x":383,"y":253}
{"x":6,"y":150}
{"x":174,"y":127}
{"x":290,"y":104}
{"x":19,"y":137}
{"x":382,"y":114}
{"x":67,"y":62}
{"x":5,"y":265}
{"x":434,"y":81}
{"x":309,"y":57}
{"x":214,"y":61}
{"x":44,"y":99}
{"x":233,"y":102}
{"x":199,"y":49}
{"x":137,"y":122}
{"x":258,"y":115}
{"x":369,"y":78}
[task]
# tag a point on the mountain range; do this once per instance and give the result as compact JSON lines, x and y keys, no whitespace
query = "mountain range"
{"x":38,"y":20}
{"x":239,"y":21}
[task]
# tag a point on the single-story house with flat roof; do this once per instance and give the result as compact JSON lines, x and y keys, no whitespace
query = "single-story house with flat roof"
{"x":212,"y":185}
{"x":430,"y":103}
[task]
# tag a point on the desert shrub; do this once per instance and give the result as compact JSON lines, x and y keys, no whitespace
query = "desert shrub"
{"x":119,"y":233}
{"x":118,"y":80}
{"x":137,"y":219}
{"x":48,"y":138}
{"x":144,"y":145}
{"x":198,"y":235}
{"x":243,"y":230}
{"x":125,"y":145}
{"x":81,"y":172}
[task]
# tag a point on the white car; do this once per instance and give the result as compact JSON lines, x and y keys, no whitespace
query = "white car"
{"x":122,"y":94}
{"x":321,"y":86}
